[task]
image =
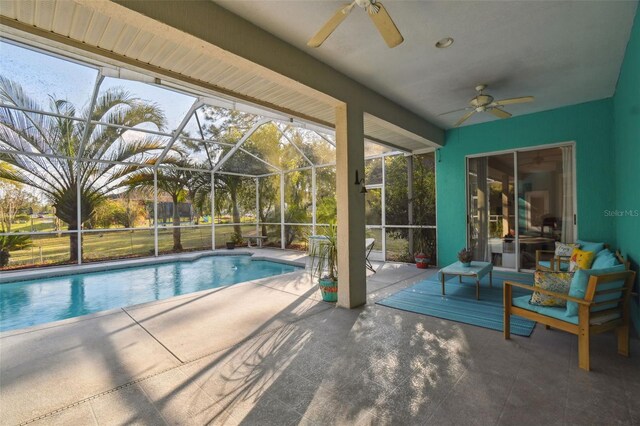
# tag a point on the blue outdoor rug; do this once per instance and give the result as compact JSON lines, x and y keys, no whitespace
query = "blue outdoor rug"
{"x":460,"y":304}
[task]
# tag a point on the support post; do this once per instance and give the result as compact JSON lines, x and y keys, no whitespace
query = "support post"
{"x":314,"y":189}
{"x":282,"y":233}
{"x":383,"y":218}
{"x":83,"y":142}
{"x":258,"y":233}
{"x":79,"y":208}
{"x":410,"y":206}
{"x":213,"y":210}
{"x":352,"y":288}
{"x":155,"y":211}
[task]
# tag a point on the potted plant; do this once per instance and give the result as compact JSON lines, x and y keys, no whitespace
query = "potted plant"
{"x":324,"y":264}
{"x":422,"y":260}
{"x":464,"y":256}
{"x":424,"y":255}
{"x":235,"y":239}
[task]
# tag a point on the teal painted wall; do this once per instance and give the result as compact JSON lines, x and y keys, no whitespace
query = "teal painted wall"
{"x":589,"y":125}
{"x":607,"y":137}
{"x":626,"y":140}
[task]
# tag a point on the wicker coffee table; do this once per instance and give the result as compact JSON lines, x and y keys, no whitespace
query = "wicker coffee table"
{"x":477,"y":270}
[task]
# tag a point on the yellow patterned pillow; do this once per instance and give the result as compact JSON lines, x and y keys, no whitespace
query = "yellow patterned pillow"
{"x":558,"y":282}
{"x":581,"y":259}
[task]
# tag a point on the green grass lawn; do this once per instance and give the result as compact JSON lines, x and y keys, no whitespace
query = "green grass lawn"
{"x":113,"y":244}
{"x":44,"y":224}
{"x":50,"y":249}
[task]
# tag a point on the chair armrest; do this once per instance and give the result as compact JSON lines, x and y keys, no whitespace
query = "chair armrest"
{"x":547,"y":292}
{"x":546,"y":251}
{"x":539,"y":254}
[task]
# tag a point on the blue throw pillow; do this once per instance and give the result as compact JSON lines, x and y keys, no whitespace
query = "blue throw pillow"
{"x":603,"y":253}
{"x":606,"y":260}
{"x":589,"y":246}
{"x":578,"y":286}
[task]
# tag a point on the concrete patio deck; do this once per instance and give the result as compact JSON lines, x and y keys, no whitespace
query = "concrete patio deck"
{"x":271,"y":352}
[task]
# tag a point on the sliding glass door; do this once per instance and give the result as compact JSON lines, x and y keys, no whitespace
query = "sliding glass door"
{"x":520,"y":202}
{"x":492,"y":215}
{"x":545,"y":201}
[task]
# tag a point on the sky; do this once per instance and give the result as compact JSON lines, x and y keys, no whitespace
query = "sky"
{"x":42,"y":75}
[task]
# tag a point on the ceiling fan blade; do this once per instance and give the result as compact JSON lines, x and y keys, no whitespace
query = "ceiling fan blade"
{"x":455,"y":110}
{"x":464,"y":118}
{"x":330,"y":26}
{"x":499,"y":112}
{"x":385,"y":25}
{"x":510,"y":101}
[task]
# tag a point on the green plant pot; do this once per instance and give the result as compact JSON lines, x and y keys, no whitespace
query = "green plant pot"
{"x":329,"y":289}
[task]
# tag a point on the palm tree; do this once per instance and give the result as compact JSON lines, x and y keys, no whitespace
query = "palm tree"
{"x":171,"y":180}
{"x":199,"y":190}
{"x":59,"y":178}
{"x":9,"y":243}
{"x":231,"y":185}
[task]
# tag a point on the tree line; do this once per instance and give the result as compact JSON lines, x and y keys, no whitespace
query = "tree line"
{"x":39,"y":171}
{"x":111,"y":190}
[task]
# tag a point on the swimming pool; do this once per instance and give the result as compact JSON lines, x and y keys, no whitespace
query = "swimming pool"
{"x":27,"y":303}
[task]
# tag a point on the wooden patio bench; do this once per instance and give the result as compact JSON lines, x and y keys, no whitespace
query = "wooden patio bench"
{"x":604,"y":307}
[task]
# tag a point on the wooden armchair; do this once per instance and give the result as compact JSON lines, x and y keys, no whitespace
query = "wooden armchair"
{"x":546,"y":260}
{"x":597,"y":312}
{"x":552,"y":262}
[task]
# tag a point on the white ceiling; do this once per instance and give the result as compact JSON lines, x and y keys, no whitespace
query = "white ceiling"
{"x":561,"y":52}
{"x":110,"y":35}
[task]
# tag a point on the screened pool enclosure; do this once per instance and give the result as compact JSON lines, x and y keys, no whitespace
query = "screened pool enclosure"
{"x":99,"y":162}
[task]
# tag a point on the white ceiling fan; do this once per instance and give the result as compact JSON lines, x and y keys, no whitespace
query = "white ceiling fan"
{"x":485,"y":103}
{"x":376,"y":12}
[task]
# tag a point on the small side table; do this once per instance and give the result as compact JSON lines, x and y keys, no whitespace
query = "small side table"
{"x":477,"y":270}
{"x":259,"y":239}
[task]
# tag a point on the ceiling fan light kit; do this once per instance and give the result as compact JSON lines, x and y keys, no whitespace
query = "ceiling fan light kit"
{"x":443,"y":43}
{"x":483,"y":102}
{"x":376,"y":11}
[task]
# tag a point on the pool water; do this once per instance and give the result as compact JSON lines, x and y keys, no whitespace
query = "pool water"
{"x":27,"y":303}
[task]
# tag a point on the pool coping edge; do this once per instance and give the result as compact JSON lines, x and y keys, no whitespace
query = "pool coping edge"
{"x":57,"y":271}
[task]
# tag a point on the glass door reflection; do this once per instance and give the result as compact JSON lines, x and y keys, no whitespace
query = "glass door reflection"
{"x":545,"y":201}
{"x":519,"y":203}
{"x":491,"y":202}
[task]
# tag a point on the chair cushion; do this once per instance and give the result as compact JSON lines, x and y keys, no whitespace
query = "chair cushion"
{"x":581,"y":259}
{"x":558,"y":313}
{"x":553,"y":281}
{"x":523,"y":302}
{"x":545,"y":263}
{"x":589,"y":246}
{"x":553,"y":312}
{"x":564,"y":266}
{"x":605,"y":259}
{"x":578,"y":287}
{"x":563,"y":249}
